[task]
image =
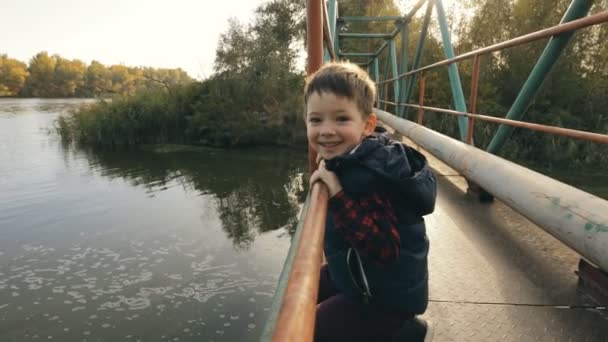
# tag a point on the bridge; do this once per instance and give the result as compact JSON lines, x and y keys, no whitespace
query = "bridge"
{"x":515,"y":255}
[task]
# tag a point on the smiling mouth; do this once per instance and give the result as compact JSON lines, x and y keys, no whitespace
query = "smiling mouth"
{"x":329,"y":144}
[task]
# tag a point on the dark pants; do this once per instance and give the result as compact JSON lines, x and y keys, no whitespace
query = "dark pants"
{"x":340,"y":318}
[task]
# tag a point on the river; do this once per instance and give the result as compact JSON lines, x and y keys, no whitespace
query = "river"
{"x":153,"y":244}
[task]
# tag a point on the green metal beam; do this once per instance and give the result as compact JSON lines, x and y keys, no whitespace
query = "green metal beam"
{"x":456,"y":85}
{"x":364,"y":18}
{"x":365,"y":35}
{"x":382,"y":47}
{"x":419,"y":50}
{"x":377,"y":79}
{"x":333,"y":5}
{"x":393,"y":57}
{"x":331,"y":16}
{"x":403,"y":68}
{"x":577,"y":9}
{"x":385,"y":73}
{"x":357,"y":54}
{"x":332,"y":9}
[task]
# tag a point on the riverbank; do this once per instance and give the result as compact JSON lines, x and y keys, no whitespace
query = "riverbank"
{"x":184,"y":115}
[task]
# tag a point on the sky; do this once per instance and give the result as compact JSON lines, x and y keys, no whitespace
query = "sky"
{"x":161,"y":34}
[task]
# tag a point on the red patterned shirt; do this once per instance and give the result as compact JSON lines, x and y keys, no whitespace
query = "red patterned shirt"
{"x":368,"y":224}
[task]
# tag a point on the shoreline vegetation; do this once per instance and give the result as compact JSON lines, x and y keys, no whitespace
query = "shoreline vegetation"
{"x":254,"y":96}
{"x":182,"y":116}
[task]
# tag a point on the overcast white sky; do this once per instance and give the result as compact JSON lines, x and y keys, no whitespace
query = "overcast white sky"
{"x":162,"y":34}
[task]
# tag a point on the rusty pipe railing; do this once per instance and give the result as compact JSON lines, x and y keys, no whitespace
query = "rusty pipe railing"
{"x":577,"y":218}
{"x":296,"y":315}
{"x":292,"y":317}
{"x":573,"y":133}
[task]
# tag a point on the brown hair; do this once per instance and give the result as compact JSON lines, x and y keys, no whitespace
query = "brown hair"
{"x":343,"y":79}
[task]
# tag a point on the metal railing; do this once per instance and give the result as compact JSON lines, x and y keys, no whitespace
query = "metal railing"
{"x":595,"y":19}
{"x":293,"y":310}
{"x":554,"y":206}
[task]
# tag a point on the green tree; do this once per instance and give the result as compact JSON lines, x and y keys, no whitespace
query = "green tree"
{"x":69,"y":77}
{"x":123,"y":81}
{"x":41,"y":81}
{"x":13,"y":74}
{"x":97,"y":80}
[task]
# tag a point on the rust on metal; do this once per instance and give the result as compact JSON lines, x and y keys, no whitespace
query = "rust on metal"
{"x":421,"y":100}
{"x":296,"y":319}
{"x":473,"y":98}
{"x":573,"y":133}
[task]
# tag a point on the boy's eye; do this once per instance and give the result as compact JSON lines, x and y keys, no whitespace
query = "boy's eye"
{"x":343,"y":118}
{"x":314,"y":120}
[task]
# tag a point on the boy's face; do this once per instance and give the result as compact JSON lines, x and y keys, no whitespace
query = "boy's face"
{"x":334,"y":124}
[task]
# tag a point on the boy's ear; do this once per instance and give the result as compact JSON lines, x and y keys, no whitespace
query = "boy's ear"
{"x":370,"y":124}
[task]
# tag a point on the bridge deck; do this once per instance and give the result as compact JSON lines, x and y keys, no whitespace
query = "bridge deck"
{"x":495,"y":276}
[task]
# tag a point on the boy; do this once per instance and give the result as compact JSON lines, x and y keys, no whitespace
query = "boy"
{"x":376,"y":279}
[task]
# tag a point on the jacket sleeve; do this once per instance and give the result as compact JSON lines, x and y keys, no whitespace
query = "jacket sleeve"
{"x":368,"y":224}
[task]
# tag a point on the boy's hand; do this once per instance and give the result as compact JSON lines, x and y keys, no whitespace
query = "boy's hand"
{"x":329,"y":178}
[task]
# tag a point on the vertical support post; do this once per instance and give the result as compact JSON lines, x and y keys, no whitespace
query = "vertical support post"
{"x":333,"y":24}
{"x":331,"y":18}
{"x":419,"y":50}
{"x":473,"y":98}
{"x":314,"y":40}
{"x":377,"y":79}
{"x":457,"y":93}
{"x":403,"y":67}
{"x":332,"y":12}
{"x":577,"y":9}
{"x":473,"y":188}
{"x":385,"y":96}
{"x":393,"y":56}
{"x":421,"y":100}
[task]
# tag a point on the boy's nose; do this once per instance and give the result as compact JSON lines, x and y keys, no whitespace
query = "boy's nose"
{"x":327,"y":130}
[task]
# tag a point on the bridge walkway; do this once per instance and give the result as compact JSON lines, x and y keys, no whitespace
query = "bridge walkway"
{"x":496,"y":276}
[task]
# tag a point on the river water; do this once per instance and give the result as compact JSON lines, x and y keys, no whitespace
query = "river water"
{"x":156,"y":244}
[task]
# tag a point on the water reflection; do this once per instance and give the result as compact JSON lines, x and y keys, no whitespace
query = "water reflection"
{"x":17,"y":106}
{"x":255,"y":190}
{"x":161,"y":244}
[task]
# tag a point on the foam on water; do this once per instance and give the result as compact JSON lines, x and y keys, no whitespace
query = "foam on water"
{"x":72,"y":279}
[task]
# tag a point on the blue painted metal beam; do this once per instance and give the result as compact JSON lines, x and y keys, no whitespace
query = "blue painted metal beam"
{"x":394,"y":68}
{"x":365,"y":35}
{"x":357,"y":54}
{"x":377,"y":79}
{"x":368,"y":19}
{"x":403,"y":68}
{"x":419,"y":50}
{"x":455,"y":84}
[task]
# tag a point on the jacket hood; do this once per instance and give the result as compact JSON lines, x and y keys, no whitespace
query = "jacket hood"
{"x":380,"y":163}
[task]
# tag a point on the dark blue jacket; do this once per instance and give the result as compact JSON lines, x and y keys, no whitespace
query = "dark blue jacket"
{"x":391,"y":168}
